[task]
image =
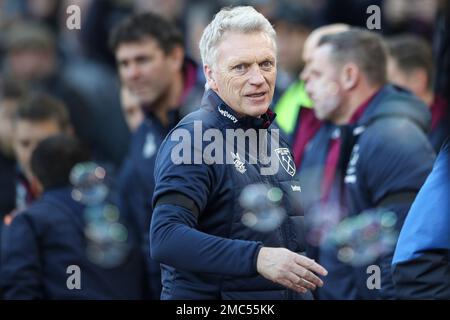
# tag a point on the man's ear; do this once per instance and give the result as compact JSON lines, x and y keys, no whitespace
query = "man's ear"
{"x":210,"y":77}
{"x":350,"y":74}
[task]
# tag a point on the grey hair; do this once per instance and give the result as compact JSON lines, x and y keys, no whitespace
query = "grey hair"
{"x":244,"y":19}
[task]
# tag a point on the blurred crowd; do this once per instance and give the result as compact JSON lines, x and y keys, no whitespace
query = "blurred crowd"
{"x":120,"y":101}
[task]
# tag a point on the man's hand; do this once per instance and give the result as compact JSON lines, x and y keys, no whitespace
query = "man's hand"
{"x":289,"y":269}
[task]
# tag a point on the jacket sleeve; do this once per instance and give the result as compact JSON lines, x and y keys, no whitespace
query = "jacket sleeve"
{"x":424,"y":277}
{"x":421,"y":267}
{"x":20,"y":274}
{"x":175,"y":241}
{"x":174,"y":234}
{"x":399,"y":160}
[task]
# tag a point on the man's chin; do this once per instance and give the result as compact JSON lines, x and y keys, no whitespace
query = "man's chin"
{"x":258,"y":110}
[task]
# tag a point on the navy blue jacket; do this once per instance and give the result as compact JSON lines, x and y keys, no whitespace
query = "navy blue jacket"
{"x":205,"y":250}
{"x":421,"y":263}
{"x":48,"y":237}
{"x":386,"y":153}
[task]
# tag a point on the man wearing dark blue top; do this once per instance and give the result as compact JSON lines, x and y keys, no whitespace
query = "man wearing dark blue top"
{"x":379,"y":156}
{"x":46,"y":244}
{"x":198,"y":231}
{"x":152,"y":66}
{"x":421,"y":265}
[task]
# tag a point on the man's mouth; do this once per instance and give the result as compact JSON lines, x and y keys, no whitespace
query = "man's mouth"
{"x":256,"y":95}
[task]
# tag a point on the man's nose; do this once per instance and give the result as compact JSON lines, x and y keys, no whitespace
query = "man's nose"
{"x":256,"y":77}
{"x":304,"y":75}
{"x":133,"y":71}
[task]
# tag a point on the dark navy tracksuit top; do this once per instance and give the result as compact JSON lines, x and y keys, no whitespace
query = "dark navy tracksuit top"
{"x":385,"y":158}
{"x":205,"y":250}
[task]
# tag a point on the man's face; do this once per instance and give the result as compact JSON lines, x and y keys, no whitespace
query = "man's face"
{"x":27,"y":136}
{"x":244,"y":72}
{"x":322,"y":84}
{"x":29,"y":65}
{"x":145,"y":69}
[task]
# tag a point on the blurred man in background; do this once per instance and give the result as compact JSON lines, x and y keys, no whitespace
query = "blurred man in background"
{"x":379,"y":157}
{"x":153,"y":68}
{"x":421,"y":265}
{"x":49,"y":237}
{"x":37,"y":117}
{"x":410,"y":65}
{"x":309,"y":136}
{"x":293,"y":22}
{"x":32,"y":58}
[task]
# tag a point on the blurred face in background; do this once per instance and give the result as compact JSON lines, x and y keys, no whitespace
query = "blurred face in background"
{"x":146,"y":70}
{"x":29,"y":65}
{"x":131,"y":109}
{"x":244,"y":72}
{"x":416,"y":80}
{"x":290,"y":41}
{"x":323,"y":85}
{"x":27,"y":135}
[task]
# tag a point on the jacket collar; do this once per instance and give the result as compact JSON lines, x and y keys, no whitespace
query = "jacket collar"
{"x":212,"y":100}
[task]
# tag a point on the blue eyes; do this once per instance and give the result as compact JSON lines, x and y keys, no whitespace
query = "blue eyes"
{"x":239,"y":67}
{"x":266,"y":64}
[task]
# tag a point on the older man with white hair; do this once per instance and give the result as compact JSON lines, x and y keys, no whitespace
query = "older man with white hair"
{"x":210,"y":247}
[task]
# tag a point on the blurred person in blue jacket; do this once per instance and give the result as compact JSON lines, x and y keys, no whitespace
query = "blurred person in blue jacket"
{"x":45,"y":242}
{"x":154,"y":69}
{"x":421,"y":263}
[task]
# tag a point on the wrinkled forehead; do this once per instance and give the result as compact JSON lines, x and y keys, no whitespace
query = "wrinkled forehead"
{"x":237,"y":45}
